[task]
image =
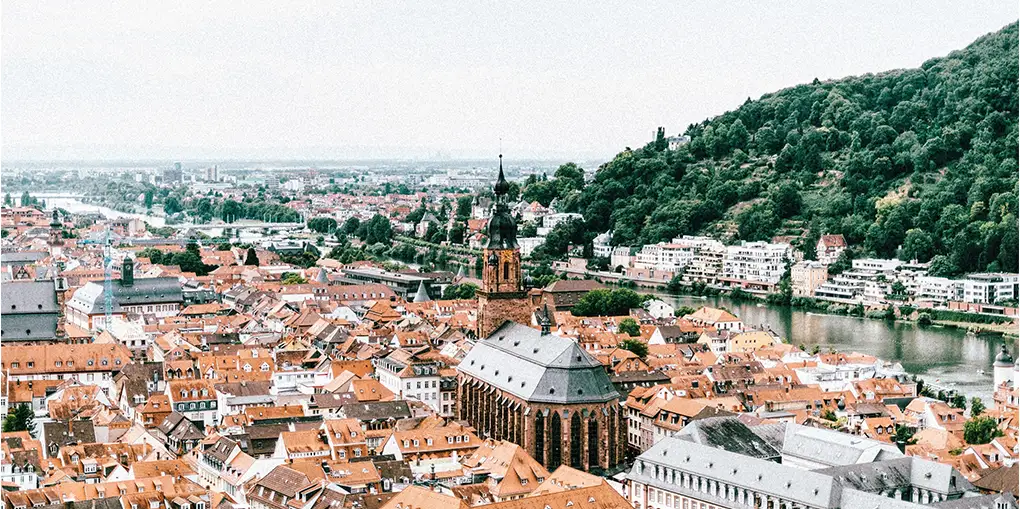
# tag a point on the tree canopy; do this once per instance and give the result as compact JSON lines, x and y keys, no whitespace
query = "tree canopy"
{"x":20,"y":418}
{"x":908,"y":163}
{"x":605,"y":302}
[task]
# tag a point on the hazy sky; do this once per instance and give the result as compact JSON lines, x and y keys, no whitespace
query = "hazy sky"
{"x":173,"y":80}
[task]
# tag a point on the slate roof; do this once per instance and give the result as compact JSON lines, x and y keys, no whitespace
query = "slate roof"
{"x":143,"y":291}
{"x":179,"y":427}
{"x":914,"y":471}
{"x":29,"y":310}
{"x":373,"y":410}
{"x":284,"y":480}
{"x":22,"y":257}
{"x":220,"y":450}
{"x":537,"y":368}
{"x":832,"y":447}
{"x":61,"y":433}
{"x":241,"y":389}
{"x":803,"y":487}
{"x":334,"y":400}
{"x":993,"y":501}
{"x":729,"y":434}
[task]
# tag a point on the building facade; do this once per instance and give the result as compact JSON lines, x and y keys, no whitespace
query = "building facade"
{"x":544,"y":393}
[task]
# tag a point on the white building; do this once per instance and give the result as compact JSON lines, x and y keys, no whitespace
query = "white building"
{"x":665,"y":257}
{"x":24,"y":475}
{"x":707,"y":265}
{"x":877,"y":264}
{"x":938,"y":289}
{"x":621,"y":257}
{"x":130,"y":334}
{"x":755,"y":263}
{"x":600,"y":245}
{"x":410,"y":378}
{"x":990,"y":288}
{"x":529,"y":244}
{"x":659,"y":309}
{"x":550,"y":221}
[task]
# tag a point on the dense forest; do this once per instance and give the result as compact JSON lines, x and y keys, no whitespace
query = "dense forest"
{"x":915,"y":163}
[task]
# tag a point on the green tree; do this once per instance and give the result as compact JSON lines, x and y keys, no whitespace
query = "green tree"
{"x":351,"y":226}
{"x":977,"y":407}
{"x":904,"y":435}
{"x":981,"y":430}
{"x":924,"y":319}
{"x":638,"y":347}
{"x":605,"y":302}
{"x":676,"y":285}
{"x":154,"y":255}
{"x":684,"y":311}
{"x":917,"y":245}
{"x":943,"y":266}
{"x":757,"y":223}
{"x":462,"y":291}
{"x":171,"y":205}
{"x":738,"y":135}
{"x":569,"y":177}
{"x":292,"y":278}
{"x":898,"y":288}
{"x":189,"y":261}
{"x":251,"y":257}
{"x":376,"y":231}
{"x":959,"y":401}
{"x":843,"y":263}
{"x":20,"y":418}
{"x":630,"y":327}
{"x":464,"y":204}
{"x":148,"y":198}
{"x":322,"y":224}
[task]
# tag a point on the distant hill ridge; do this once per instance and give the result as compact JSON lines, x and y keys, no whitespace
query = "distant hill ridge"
{"x":916,"y":163}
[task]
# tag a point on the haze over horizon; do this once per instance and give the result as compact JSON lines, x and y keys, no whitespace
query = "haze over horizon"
{"x":368,"y":81}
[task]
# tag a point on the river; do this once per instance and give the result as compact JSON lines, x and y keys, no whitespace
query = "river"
{"x":76,"y":206}
{"x":936,"y":353}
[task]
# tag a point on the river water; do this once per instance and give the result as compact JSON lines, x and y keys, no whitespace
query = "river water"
{"x":76,"y":206}
{"x":946,"y":356}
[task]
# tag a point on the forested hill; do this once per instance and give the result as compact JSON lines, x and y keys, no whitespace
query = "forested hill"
{"x":916,"y":163}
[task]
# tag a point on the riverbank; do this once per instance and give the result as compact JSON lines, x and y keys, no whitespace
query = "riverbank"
{"x":986,"y":323}
{"x":947,"y":355}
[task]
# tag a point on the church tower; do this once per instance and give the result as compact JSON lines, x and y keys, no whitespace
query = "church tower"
{"x":502,"y":296}
{"x":56,"y":242}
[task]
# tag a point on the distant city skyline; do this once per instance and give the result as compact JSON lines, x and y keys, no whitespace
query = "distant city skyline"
{"x":337,"y":81}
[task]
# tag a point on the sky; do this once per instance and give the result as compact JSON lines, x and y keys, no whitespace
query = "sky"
{"x":333,"y":80}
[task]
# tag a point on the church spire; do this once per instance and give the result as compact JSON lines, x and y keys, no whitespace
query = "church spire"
{"x":502,"y":225}
{"x":502,"y":187}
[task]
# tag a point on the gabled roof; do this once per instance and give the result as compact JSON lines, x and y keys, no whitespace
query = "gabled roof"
{"x":832,"y":241}
{"x":538,"y":368}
